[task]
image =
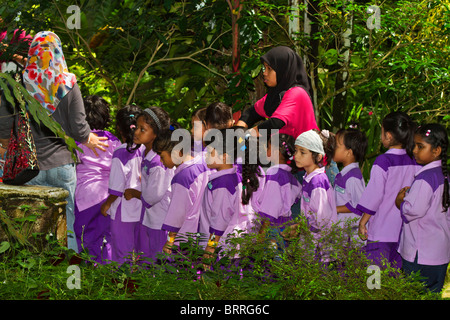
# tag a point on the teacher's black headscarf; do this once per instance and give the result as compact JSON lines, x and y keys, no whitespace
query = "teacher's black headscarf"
{"x":290,"y":72}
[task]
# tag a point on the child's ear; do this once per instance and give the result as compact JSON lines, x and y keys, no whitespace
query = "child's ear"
{"x":436,"y":152}
{"x":388,"y":137}
{"x":350,"y":153}
{"x":319,"y":158}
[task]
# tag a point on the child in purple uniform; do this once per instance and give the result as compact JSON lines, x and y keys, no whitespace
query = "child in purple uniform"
{"x":187,"y":187}
{"x":318,"y":200}
{"x":155,"y":184}
{"x":198,"y":128}
{"x":281,"y":189}
{"x":425,"y":237}
{"x":92,"y":228}
{"x":125,"y":174}
{"x":381,"y":223}
{"x":227,"y":191}
{"x":349,"y":184}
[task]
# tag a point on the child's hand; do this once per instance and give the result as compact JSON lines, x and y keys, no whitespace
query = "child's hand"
{"x":104,"y":209}
{"x":362,"y":231}
{"x":168,"y":247}
{"x":400,"y":196}
{"x":131,"y":193}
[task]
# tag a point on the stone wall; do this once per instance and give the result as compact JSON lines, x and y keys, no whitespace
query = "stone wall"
{"x":28,"y":210}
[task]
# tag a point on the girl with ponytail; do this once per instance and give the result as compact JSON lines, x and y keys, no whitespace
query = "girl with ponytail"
{"x":391,"y":171}
{"x":125,"y":174}
{"x":425,"y":238}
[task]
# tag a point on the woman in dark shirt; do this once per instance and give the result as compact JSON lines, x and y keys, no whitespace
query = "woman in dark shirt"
{"x":48,"y":80}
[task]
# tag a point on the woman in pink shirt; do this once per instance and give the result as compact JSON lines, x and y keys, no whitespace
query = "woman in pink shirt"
{"x":287,"y":106}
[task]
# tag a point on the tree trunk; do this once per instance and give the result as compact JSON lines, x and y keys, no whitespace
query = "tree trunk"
{"x":311,"y":27}
{"x":340,"y":100}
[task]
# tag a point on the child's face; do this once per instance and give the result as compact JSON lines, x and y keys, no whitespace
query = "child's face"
{"x":212,"y":159}
{"x":341,"y":153}
{"x":270,"y":76}
{"x":304,"y":159}
{"x":198,"y":128}
{"x":143,"y":134}
{"x":423,"y":152}
{"x":274,"y":156}
{"x":166,"y":160}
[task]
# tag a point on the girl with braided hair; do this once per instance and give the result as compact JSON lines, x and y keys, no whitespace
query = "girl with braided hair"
{"x":425,"y":238}
{"x":228,"y":195}
{"x":281,"y":188}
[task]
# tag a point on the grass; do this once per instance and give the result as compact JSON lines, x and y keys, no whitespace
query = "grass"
{"x":296,"y":273}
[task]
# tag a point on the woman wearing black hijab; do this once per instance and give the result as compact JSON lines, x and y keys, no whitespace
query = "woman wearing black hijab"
{"x":287,"y":106}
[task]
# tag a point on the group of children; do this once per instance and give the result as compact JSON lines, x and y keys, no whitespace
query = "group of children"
{"x":145,"y":195}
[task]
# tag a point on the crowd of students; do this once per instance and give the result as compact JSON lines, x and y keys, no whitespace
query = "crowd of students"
{"x":158,"y":195}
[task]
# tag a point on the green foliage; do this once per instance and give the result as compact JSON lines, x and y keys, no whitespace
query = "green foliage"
{"x":18,"y":96}
{"x":178,"y":55}
{"x":259,"y":273}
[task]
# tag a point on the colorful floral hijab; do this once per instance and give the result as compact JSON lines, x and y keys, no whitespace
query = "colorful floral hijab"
{"x":46,"y":76}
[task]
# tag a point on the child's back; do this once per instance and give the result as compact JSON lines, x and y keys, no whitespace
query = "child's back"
{"x":280,"y":192}
{"x":93,"y":172}
{"x":390,"y":172}
{"x":349,"y":185}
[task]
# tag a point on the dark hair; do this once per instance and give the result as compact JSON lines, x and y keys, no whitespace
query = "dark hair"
{"x":97,"y":112}
{"x":201,"y":114}
{"x":355,"y":140}
{"x":436,"y":135}
{"x":402,"y":128}
{"x":126,"y":119}
{"x":230,"y":145}
{"x":329,"y":145}
{"x":163,"y":118}
{"x":164,"y":142}
{"x":287,"y":148}
{"x":218,"y":115}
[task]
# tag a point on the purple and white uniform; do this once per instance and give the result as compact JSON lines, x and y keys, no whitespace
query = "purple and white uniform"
{"x":188,"y":185}
{"x":125,"y":214}
{"x":249,"y":212}
{"x":91,"y":191}
{"x":390,"y":172}
{"x":280,"y":192}
{"x":349,"y":185}
{"x":155,"y":201}
{"x":426,"y":229}
{"x":220,"y":212}
{"x":318,"y":201}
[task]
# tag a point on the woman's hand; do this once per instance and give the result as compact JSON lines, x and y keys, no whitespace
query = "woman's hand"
{"x":95,"y":142}
{"x":241,"y":123}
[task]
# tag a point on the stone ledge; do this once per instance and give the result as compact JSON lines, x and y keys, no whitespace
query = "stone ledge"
{"x":48,"y":204}
{"x":37,"y":192}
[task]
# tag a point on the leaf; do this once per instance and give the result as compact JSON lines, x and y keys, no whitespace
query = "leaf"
{"x":4,"y":246}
